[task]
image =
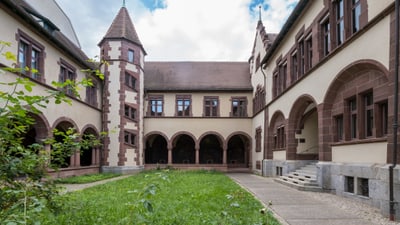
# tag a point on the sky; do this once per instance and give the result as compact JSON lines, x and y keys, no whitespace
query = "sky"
{"x":181,"y":30}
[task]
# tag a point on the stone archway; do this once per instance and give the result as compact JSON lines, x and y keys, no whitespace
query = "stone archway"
{"x":183,"y":151}
{"x":302,"y":133}
{"x":63,"y":159}
{"x":211,"y":150}
{"x":238,"y":151}
{"x":156,"y":149}
{"x":89,"y":156}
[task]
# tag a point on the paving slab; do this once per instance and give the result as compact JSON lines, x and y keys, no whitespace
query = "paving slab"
{"x":292,"y":206}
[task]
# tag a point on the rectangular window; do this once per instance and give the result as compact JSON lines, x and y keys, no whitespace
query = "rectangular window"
{"x":363,"y":187}
{"x":91,"y":94}
{"x":67,"y":74}
{"x":129,"y":138}
{"x":339,"y":22}
{"x":355,"y":15}
{"x":239,"y":107}
{"x":258,"y":140}
{"x":326,"y":37}
{"x":302,"y":55}
{"x":309,"y":52}
{"x":339,"y":128}
{"x":131,"y":56}
{"x":183,"y":105}
{"x":30,"y":57}
{"x":156,"y":106}
{"x":295,"y":71}
{"x":281,"y":137}
{"x":369,"y":114}
{"x":130,"y":81}
{"x":349,"y":184}
{"x":275,"y":88}
{"x":211,"y":106}
{"x":353,"y":118}
{"x":130,"y":112}
{"x":383,"y":111}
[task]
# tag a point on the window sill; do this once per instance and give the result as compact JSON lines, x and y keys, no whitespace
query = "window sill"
{"x":360,"y":141}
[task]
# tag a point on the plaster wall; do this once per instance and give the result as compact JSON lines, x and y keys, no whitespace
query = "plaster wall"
{"x":360,"y":153}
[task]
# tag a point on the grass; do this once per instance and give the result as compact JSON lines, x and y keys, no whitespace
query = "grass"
{"x":161,"y":198}
{"x":86,"y":178}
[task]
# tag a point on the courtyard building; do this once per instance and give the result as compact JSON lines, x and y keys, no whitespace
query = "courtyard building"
{"x":313,"y":106}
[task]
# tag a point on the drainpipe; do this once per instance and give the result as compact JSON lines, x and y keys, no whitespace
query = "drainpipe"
{"x":395,"y":120}
{"x":265,"y":126}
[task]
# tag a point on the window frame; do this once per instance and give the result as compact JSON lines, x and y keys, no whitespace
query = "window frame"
{"x":31,"y":46}
{"x":130,"y":56}
{"x":130,"y":138}
{"x":67,"y":72}
{"x":180,"y":101}
{"x":242,"y":106}
{"x":130,"y":112}
{"x":157,"y":99}
{"x":91,"y":94}
{"x":130,"y":81}
{"x":258,"y":139}
{"x":211,"y":110}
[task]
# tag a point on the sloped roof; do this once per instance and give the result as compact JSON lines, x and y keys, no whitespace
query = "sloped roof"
{"x":197,"y":76}
{"x":122,"y":27}
{"x":25,"y":12}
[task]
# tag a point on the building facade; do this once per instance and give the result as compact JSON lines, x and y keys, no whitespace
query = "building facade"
{"x":319,"y":93}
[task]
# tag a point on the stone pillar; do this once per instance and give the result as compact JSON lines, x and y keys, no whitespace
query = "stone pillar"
{"x":197,"y":150}
{"x":224,"y":154}
{"x":169,"y":154}
{"x":94,"y":153}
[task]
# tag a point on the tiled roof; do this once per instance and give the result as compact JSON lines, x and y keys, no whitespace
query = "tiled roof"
{"x":197,"y":76}
{"x":122,"y":27}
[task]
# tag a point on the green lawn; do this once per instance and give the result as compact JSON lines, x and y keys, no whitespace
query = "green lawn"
{"x":164,"y":197}
{"x":86,"y":178}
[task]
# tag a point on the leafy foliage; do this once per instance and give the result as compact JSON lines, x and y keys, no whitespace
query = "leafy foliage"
{"x":26,"y":192}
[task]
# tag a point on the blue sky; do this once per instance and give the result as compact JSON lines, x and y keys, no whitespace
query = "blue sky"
{"x":181,"y":30}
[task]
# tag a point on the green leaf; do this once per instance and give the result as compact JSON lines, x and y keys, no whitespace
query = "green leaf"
{"x":10,"y":56}
{"x":28,"y":87}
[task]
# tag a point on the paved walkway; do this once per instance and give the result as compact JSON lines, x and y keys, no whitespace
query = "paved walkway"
{"x":295,"y":207}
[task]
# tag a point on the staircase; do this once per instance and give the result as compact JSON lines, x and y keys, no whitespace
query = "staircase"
{"x":303,"y":179}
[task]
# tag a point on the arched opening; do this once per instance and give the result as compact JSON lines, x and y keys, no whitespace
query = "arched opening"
{"x":156,"y":150}
{"x":210,"y":150}
{"x":303,"y":133}
{"x":59,"y":157}
{"x":184,"y":150}
{"x":237,"y":152}
{"x":87,"y":156}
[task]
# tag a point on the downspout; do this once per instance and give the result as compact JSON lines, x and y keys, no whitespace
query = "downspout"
{"x":265,"y":124}
{"x":395,"y":120}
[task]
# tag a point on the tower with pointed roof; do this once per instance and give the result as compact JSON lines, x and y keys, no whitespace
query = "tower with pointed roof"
{"x":123,"y":95}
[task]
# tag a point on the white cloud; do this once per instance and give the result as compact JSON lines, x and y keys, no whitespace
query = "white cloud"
{"x":186,"y":30}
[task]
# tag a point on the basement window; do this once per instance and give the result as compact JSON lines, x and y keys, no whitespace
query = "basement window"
{"x":349,"y":184}
{"x":278,"y":171}
{"x":363,"y":187}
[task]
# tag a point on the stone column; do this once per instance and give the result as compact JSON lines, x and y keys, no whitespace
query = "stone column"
{"x":169,"y":155}
{"x":224,"y":154}
{"x":197,"y":150}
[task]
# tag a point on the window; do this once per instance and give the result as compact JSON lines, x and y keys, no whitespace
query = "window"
{"x":326,"y":37}
{"x":130,"y":81}
{"x":353,"y":118}
{"x":129,"y":138}
{"x":302,"y":66}
{"x":349,"y":184}
{"x":369,"y":114}
{"x":67,"y":74}
{"x":131,"y":56}
{"x":339,"y":22}
{"x":294,"y":67}
{"x":183,"y":106}
{"x":239,"y":107}
{"x":282,"y":76}
{"x":275,"y":84}
{"x":130,"y":112}
{"x":155,"y":106}
{"x":280,"y":138}
{"x":259,"y":99}
{"x":309,"y":53}
{"x":30,"y":57}
{"x":258,"y":139}
{"x":383,"y":119}
{"x":91,"y":94}
{"x":355,"y":15}
{"x":339,"y":127}
{"x":363,"y":187}
{"x":211,"y":106}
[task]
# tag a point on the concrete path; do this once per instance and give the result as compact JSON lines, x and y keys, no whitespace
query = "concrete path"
{"x":295,"y":207}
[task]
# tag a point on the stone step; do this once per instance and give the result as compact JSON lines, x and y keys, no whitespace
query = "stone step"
{"x":302,"y":177}
{"x":299,"y":181}
{"x":299,"y":186}
{"x":306,"y":173}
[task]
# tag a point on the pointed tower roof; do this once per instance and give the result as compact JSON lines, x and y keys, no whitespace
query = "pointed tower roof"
{"x":122,"y":27}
